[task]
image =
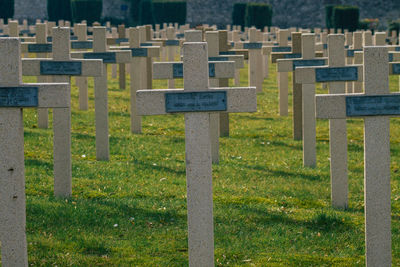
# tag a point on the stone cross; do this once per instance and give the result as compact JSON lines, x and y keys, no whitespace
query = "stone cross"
{"x":42,"y":49}
{"x":121,"y":67}
{"x":355,"y":58}
{"x":285,"y":65}
{"x":138,"y":72}
{"x":14,"y":96}
{"x":256,"y":76}
{"x":375,"y":106}
{"x":197,"y":101}
{"x":171,"y":44}
{"x":61,"y":68}
{"x":336,"y":74}
{"x":101,"y":87}
{"x":283,"y":87}
{"x":217,"y":70}
{"x":82,"y":44}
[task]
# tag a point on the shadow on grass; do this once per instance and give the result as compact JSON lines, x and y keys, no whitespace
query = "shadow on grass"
{"x":38,"y":163}
{"x":280,"y":173}
{"x":147,"y":165}
{"x":90,"y":222}
{"x":322,"y":221}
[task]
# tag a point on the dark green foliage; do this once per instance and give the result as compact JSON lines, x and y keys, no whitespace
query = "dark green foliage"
{"x":146,"y":13}
{"x":59,"y":9}
{"x":394,"y":26}
{"x":328,"y":16}
{"x":6,"y":9}
{"x":166,"y":11}
{"x":89,"y":10}
{"x":345,"y":17}
{"x":134,"y":12}
{"x":238,"y":14}
{"x":258,"y":15}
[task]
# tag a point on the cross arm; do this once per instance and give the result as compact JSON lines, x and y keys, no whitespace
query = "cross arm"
{"x":341,"y":106}
{"x":310,"y":75}
{"x":239,"y":99}
{"x":86,"y":68}
{"x":42,"y":95}
{"x":288,"y":65}
{"x":173,"y":70}
{"x":283,"y":55}
{"x":115,"y":56}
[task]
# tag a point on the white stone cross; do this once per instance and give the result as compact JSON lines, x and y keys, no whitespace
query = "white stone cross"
{"x":120,"y":57}
{"x":375,"y":106}
{"x":283,"y":88}
{"x":256,"y":75}
{"x":335,"y":74}
{"x":14,"y":96}
{"x":286,"y":65}
{"x":61,"y":67}
{"x":197,"y":101}
{"x":138,"y":73}
{"x":42,"y":49}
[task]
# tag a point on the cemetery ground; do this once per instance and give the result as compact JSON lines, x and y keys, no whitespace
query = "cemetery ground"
{"x":131,"y":211}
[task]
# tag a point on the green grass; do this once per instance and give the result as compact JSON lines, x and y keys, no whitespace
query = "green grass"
{"x":131,"y":211}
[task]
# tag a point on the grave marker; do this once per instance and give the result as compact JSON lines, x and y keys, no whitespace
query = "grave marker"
{"x":101,"y":87}
{"x":286,"y":65}
{"x":198,"y":147}
{"x":61,"y":67}
{"x":138,"y":73}
{"x":336,"y":74}
{"x":376,"y":148}
{"x":14,"y":96}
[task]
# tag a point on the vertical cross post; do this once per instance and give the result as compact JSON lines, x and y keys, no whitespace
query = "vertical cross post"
{"x":14,"y":97}
{"x":122,"y":71}
{"x":375,"y":106}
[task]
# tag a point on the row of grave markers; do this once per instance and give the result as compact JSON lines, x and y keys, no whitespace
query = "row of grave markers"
{"x":198,"y":142}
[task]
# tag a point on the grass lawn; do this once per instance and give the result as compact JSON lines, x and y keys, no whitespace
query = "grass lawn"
{"x":131,"y":211}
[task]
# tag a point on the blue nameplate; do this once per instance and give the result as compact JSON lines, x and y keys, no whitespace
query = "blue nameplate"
{"x":325,"y":46}
{"x":308,"y":63}
{"x":397,"y":49}
{"x":107,"y":57}
{"x":177,"y":70}
{"x":1,"y":30}
{"x":282,"y":49}
{"x":336,"y":74}
{"x":180,"y":35}
{"x":4,"y":35}
{"x":252,"y":45}
{"x":139,"y":52}
{"x":24,"y":32}
{"x":396,"y":68}
{"x":121,"y":40}
{"x":346,"y":46}
{"x":40,"y":48}
{"x":224,"y":53}
{"x":82,"y":45}
{"x":49,"y":39}
{"x":73,"y":38}
{"x":292,"y":55}
{"x":19,"y":97}
{"x":211,"y":70}
{"x":195,"y":101}
{"x":390,"y":57}
{"x":218,"y":59}
{"x":146,"y":44}
{"x":60,"y":68}
{"x":232,"y":44}
{"x":350,"y":52}
{"x":172,"y":43}
{"x":377,"y":105}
